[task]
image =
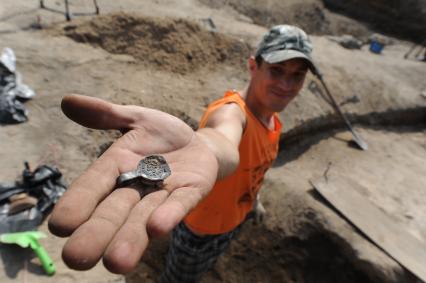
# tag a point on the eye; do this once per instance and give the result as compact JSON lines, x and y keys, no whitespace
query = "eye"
{"x":299,"y":76}
{"x":276,"y":72}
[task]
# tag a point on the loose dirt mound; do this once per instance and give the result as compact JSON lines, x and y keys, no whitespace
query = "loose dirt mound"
{"x":174,"y":45}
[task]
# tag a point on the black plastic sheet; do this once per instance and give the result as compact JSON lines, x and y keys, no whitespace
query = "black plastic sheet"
{"x":44,"y":183}
{"x":12,"y":91}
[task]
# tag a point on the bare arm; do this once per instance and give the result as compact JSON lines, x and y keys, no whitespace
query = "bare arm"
{"x":120,"y":218}
{"x":222,"y":135}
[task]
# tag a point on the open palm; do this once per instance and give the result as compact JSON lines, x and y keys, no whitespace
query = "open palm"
{"x":114,"y":224}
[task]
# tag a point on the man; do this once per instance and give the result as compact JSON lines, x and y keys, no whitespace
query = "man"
{"x":235,"y":145}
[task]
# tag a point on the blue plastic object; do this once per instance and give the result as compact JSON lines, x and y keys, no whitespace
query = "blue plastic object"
{"x":376,"y":47}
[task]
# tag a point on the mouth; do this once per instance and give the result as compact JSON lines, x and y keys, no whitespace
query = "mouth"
{"x":281,"y":94}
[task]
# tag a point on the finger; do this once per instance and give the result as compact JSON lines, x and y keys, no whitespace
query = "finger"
{"x":173,"y":210}
{"x":84,"y":194}
{"x":88,"y":243}
{"x":124,"y":252}
{"x":96,"y":113}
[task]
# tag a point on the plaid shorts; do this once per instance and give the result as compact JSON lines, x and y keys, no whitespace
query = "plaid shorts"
{"x":190,"y":255}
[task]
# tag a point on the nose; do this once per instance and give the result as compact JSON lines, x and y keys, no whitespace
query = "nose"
{"x":286,"y":83}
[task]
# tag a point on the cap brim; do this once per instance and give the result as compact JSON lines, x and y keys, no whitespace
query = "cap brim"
{"x":284,"y":55}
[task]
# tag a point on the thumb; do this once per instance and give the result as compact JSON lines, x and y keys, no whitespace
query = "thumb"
{"x":96,"y":113}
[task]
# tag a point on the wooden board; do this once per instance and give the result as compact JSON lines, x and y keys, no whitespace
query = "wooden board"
{"x":344,"y":194}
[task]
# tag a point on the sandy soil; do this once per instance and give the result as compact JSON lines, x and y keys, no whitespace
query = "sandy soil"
{"x":165,"y":55}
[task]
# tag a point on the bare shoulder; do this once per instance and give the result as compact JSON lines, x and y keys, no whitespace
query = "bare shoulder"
{"x":229,"y":120}
{"x":228,"y":113}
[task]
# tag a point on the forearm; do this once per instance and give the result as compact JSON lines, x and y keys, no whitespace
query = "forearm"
{"x":226,"y":152}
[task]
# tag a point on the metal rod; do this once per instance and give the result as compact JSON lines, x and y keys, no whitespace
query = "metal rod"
{"x":96,"y":7}
{"x":357,"y":139}
{"x":67,"y":11}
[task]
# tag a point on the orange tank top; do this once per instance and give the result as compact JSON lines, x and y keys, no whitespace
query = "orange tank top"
{"x":231,"y":198}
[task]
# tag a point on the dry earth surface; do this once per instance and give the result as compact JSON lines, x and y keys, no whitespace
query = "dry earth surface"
{"x":166,"y":54}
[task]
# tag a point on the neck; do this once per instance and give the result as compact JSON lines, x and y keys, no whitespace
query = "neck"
{"x":256,"y":108}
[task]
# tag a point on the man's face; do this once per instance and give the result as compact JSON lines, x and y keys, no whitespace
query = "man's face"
{"x":275,"y":85}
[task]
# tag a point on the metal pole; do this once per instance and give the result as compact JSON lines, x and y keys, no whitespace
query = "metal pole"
{"x":96,"y":7}
{"x":356,"y":138}
{"x":67,"y":11}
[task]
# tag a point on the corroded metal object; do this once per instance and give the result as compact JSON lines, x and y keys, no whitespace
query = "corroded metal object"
{"x":151,"y":171}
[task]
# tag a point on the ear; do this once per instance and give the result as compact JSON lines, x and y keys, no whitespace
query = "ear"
{"x":252,"y":65}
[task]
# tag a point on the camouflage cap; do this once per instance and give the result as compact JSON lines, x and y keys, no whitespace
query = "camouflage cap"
{"x":285,"y":42}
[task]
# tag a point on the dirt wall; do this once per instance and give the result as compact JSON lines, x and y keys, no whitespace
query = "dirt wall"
{"x":404,"y":18}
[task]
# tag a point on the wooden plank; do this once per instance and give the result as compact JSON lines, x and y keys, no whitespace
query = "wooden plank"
{"x":344,"y":194}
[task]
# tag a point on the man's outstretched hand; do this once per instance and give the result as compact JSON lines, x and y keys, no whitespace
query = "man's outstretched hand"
{"x":114,"y":224}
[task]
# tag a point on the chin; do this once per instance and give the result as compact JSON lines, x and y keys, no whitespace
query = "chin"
{"x":278,"y":107}
{"x":279,"y":104}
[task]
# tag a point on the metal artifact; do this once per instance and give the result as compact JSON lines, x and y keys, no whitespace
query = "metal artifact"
{"x":151,"y":171}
